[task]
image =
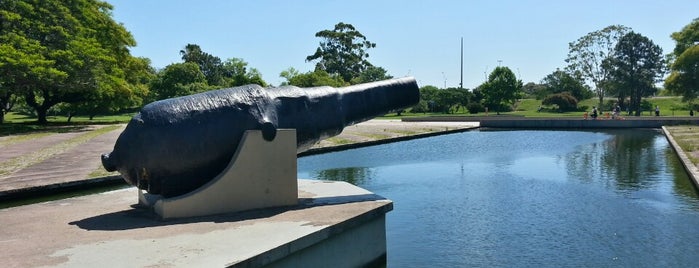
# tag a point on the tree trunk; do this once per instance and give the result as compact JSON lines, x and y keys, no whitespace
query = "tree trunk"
{"x":2,"y":116}
{"x":41,"y":114}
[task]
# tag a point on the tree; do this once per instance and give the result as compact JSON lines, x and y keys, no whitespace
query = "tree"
{"x":635,"y":66}
{"x":113,"y":97}
{"x":501,"y":89}
{"x":450,"y":100}
{"x":371,"y":74}
{"x":684,"y":62}
{"x":60,"y":52}
{"x":534,"y":90}
{"x":229,"y":73}
{"x":211,"y":66}
{"x":560,"y":81}
{"x":342,"y":52}
{"x":235,"y":73}
{"x":587,"y":54}
{"x":312,"y":79}
{"x":178,"y":79}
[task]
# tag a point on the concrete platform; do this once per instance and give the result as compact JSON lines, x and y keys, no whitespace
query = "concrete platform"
{"x":335,"y":224}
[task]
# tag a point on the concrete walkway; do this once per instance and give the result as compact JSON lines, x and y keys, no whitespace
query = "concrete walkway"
{"x":74,"y":164}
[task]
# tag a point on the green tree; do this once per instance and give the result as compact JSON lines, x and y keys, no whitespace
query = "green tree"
{"x":684,"y":62}
{"x":502,"y":89}
{"x":450,"y":100}
{"x":635,"y":67}
{"x":113,"y":97}
{"x":371,"y":74}
{"x":560,"y":81}
{"x":235,"y":73}
{"x":60,"y":52}
{"x":342,"y":52}
{"x":210,"y":65}
{"x":427,"y":95}
{"x":311,"y":79}
{"x":534,"y":90}
{"x":178,"y":79}
{"x":587,"y":54}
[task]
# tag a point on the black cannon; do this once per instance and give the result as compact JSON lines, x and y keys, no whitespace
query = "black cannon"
{"x":176,"y":145}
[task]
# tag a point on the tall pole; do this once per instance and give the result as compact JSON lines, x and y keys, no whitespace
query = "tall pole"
{"x":461,"y":85}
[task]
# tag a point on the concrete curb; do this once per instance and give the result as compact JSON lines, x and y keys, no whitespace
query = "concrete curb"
{"x":356,"y":145}
{"x":691,"y":169}
{"x":60,"y":188}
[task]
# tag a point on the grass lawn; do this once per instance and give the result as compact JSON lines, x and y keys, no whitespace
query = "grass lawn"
{"x":18,"y":123}
{"x":669,"y":106}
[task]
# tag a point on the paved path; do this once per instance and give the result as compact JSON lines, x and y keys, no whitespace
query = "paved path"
{"x":77,"y":162}
{"x":73,"y":164}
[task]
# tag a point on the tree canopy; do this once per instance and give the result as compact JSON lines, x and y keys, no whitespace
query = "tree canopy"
{"x":343,"y":51}
{"x":561,"y":81}
{"x":635,"y":66}
{"x":502,"y":89}
{"x":311,"y":79}
{"x":587,"y":54}
{"x":178,"y":79}
{"x":684,"y":62}
{"x":55,"y":52}
{"x":229,"y":73}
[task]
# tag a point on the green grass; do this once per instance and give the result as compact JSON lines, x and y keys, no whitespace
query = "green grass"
{"x":669,"y":106}
{"x":59,"y":119}
{"x":687,"y":137}
{"x":22,"y":124}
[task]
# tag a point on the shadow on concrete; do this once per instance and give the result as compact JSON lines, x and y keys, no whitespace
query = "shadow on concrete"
{"x":137,"y":217}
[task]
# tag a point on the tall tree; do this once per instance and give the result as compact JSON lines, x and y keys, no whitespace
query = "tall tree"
{"x":210,"y":65}
{"x":57,"y":52}
{"x":635,"y":67}
{"x":587,"y":54}
{"x":342,"y":51}
{"x":684,"y":62}
{"x":501,"y":89}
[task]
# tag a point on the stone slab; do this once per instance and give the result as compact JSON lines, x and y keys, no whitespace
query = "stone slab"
{"x":103,"y":229}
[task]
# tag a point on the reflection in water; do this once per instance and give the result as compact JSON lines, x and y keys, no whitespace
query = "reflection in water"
{"x":624,"y":162}
{"x":616,"y":198}
{"x":353,"y":175}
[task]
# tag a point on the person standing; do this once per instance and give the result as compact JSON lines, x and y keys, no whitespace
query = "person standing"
{"x":657,"y":110}
{"x":594,"y":113}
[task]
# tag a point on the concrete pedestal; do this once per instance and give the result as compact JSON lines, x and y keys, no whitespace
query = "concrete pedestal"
{"x":261,"y":174}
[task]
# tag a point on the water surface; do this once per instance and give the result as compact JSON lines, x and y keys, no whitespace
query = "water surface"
{"x":616,"y":198}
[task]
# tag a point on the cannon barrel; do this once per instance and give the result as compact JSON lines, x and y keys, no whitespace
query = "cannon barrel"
{"x":174,"y":146}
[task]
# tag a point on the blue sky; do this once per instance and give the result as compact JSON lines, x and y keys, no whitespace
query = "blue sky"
{"x":415,"y":38}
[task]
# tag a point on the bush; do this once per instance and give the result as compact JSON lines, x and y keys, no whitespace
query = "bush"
{"x":565,"y":101}
{"x":474,"y":108}
{"x":420,"y":107}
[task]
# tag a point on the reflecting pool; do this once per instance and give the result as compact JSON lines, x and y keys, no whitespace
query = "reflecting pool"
{"x":615,"y":198}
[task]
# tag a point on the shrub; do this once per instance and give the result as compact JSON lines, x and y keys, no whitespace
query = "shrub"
{"x":475,"y":107}
{"x":565,"y":101}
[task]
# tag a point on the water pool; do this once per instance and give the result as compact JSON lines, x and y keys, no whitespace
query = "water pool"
{"x":528,"y":198}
